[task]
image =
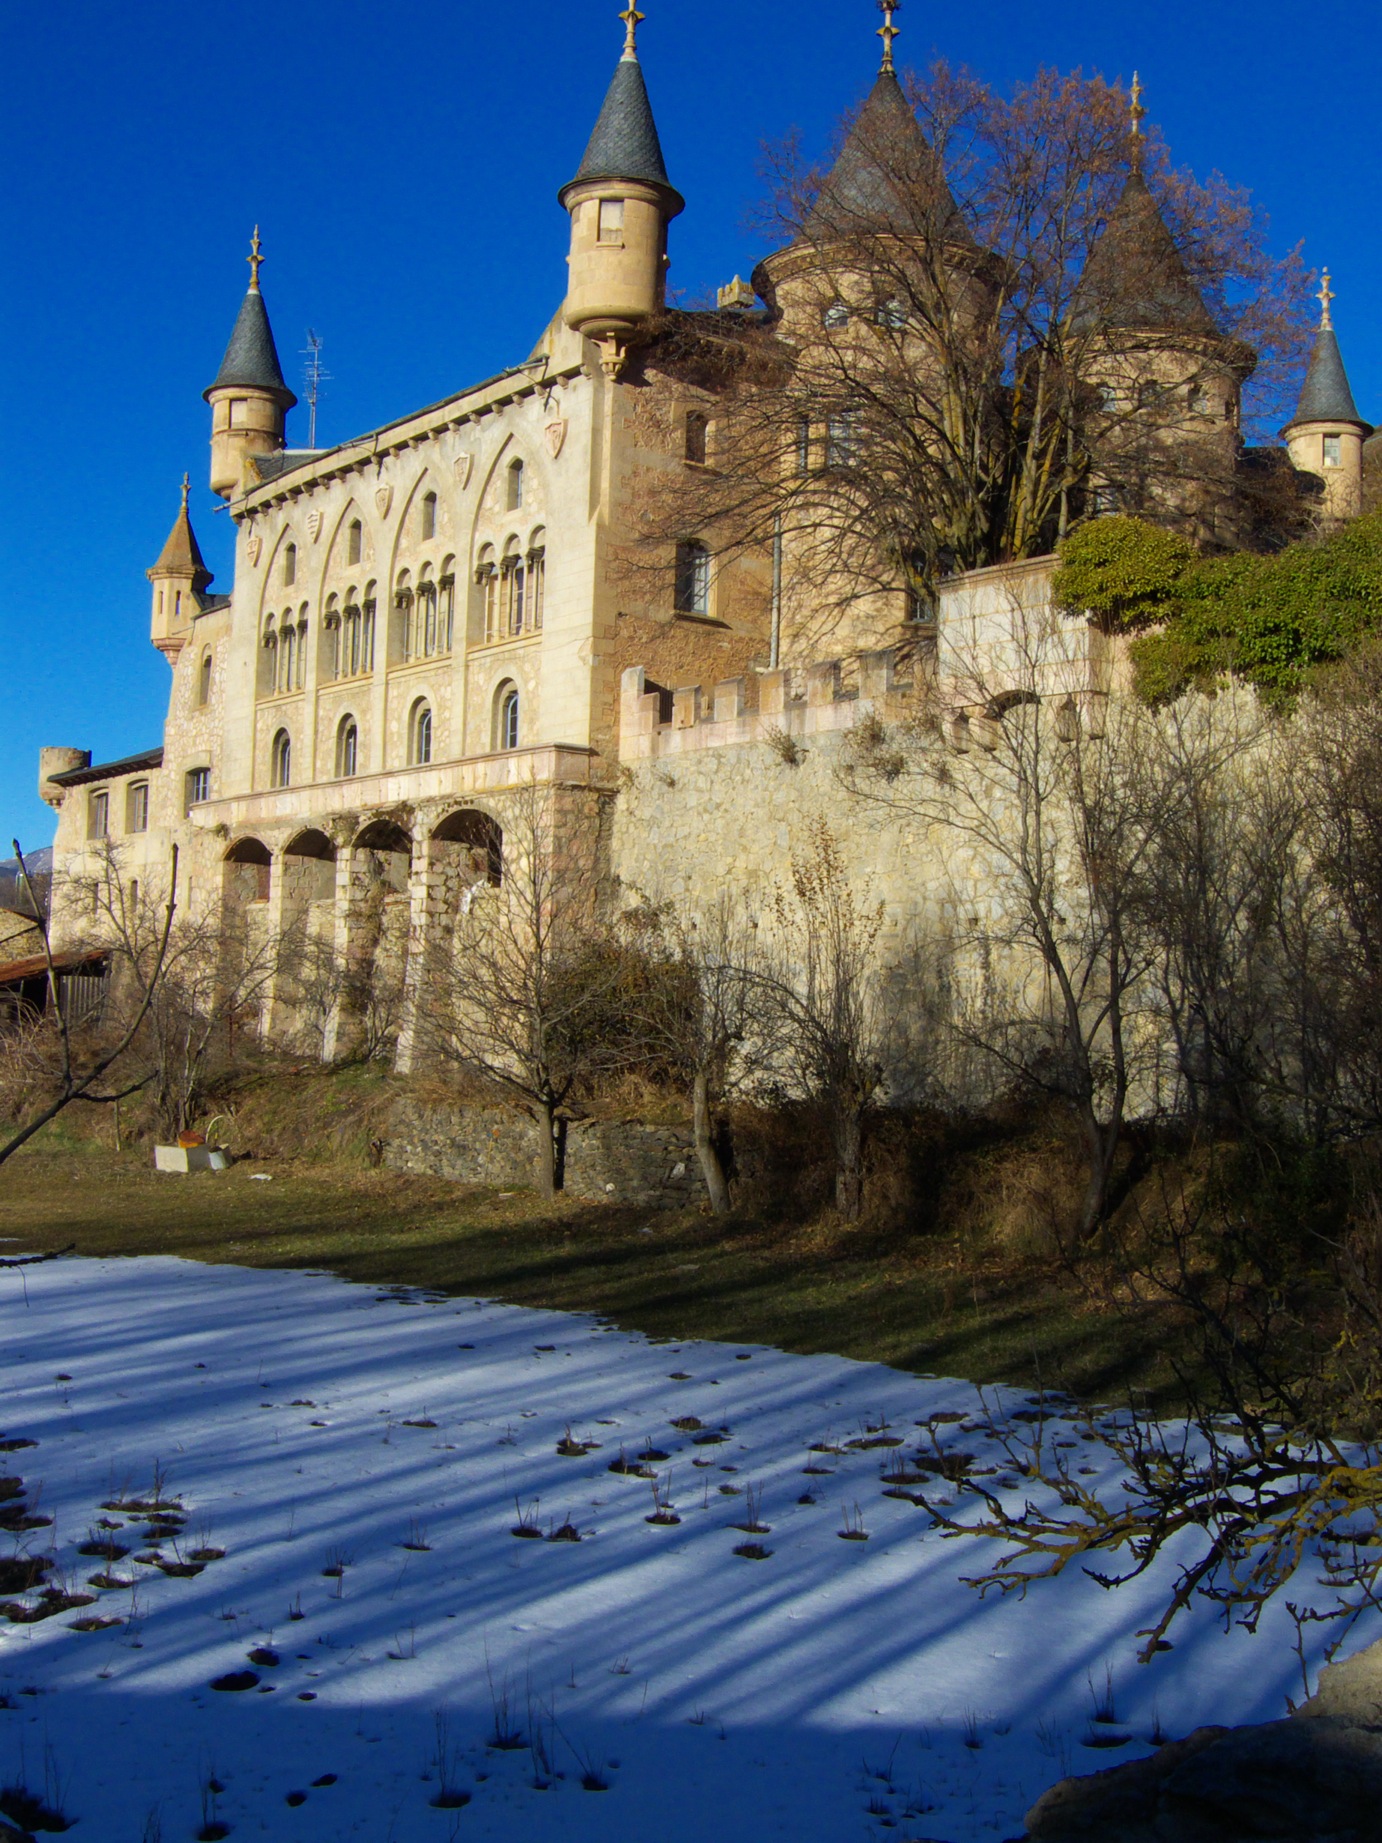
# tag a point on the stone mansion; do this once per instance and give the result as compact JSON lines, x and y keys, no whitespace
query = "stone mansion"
{"x":426,"y":619}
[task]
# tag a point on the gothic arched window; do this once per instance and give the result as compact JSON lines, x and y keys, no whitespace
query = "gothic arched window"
{"x":204,"y":679}
{"x":487,"y":581}
{"x":403,"y":610}
{"x":354,"y":540}
{"x":515,"y":494}
{"x":446,"y":609}
{"x":268,"y":676}
{"x":281,"y":760}
{"x":506,"y":704}
{"x":290,"y":565}
{"x":347,"y":749}
{"x":514,"y":571}
{"x":537,"y":578}
{"x":420,"y":734}
{"x":429,"y":515}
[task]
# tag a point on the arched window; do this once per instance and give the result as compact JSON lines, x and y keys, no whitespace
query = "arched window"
{"x":693,"y":579}
{"x":514,"y":571}
{"x":537,"y":578}
{"x":506,"y":716}
{"x":487,"y":580}
{"x":697,"y":427}
{"x":350,"y":637}
{"x":446,"y":612}
{"x":835,"y":316}
{"x":420,"y":734}
{"x":367,"y":614}
{"x":268,"y":677}
{"x":331,"y":629}
{"x":515,"y":497}
{"x":429,"y":515}
{"x":204,"y":679}
{"x":354,"y":541}
{"x":301,"y":678}
{"x":425,"y":616}
{"x":287,"y":651}
{"x":347,"y":749}
{"x":403,"y":611}
{"x":281,"y":760}
{"x":290,"y":565}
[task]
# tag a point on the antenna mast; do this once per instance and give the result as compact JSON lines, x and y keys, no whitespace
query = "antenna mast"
{"x":315,"y":377}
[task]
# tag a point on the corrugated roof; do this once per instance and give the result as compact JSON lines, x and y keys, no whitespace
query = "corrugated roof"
{"x":1325,"y":396}
{"x":625,"y":144}
{"x":109,"y":771}
{"x":1135,"y":277}
{"x":887,"y":176}
{"x":251,"y":358}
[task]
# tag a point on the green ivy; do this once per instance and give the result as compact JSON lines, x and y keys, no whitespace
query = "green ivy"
{"x":1267,"y":620}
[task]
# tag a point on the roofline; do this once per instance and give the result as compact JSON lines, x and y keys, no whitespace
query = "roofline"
{"x":108,"y":771}
{"x":533,"y":371}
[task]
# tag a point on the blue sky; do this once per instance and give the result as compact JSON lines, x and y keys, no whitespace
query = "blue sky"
{"x":403,"y":162}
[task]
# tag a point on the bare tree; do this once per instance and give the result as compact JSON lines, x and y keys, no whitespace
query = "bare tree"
{"x":821,"y":980}
{"x":698,"y":1009}
{"x":529,"y":1000}
{"x":83,"y":1060}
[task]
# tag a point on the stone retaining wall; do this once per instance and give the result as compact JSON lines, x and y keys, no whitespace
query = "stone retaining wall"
{"x":610,"y":1161}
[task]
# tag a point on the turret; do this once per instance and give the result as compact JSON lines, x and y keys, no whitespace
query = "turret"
{"x":1326,"y":434}
{"x":621,"y":203}
{"x":249,"y":399}
{"x":179,"y":581}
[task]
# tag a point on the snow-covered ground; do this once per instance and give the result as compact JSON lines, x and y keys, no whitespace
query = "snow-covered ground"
{"x":652,"y":1682}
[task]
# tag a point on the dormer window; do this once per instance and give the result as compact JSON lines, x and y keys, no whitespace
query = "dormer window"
{"x":1333,"y":450}
{"x":611,"y":220}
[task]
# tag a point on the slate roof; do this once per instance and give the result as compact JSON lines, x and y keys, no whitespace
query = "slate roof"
{"x":1135,"y":277}
{"x":625,"y":144}
{"x":887,"y":176}
{"x":1325,"y":395}
{"x":251,"y":358}
{"x":109,"y":771}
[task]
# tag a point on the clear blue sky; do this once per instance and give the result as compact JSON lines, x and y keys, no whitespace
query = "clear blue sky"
{"x":403,"y":162}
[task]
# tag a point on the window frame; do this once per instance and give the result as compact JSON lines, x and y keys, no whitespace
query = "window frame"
{"x":692,"y":588}
{"x":137,"y":807}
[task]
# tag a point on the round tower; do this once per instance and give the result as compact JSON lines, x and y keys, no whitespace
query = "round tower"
{"x":1325,"y":436}
{"x":621,"y":203}
{"x":179,"y":579}
{"x":249,"y":398}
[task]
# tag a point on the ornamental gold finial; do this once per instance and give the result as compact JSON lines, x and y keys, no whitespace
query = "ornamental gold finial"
{"x":888,"y":31}
{"x":255,"y":259}
{"x":632,"y":19}
{"x":1139,"y":115}
{"x":1326,"y":298}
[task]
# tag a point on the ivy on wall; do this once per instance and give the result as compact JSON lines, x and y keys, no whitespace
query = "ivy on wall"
{"x":1268,"y":620}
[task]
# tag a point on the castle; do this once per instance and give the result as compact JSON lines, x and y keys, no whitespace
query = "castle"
{"x":432,"y":617}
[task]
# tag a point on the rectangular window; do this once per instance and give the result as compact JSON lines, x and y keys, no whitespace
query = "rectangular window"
{"x":198,"y":786}
{"x":1333,"y":450}
{"x":693,"y":579}
{"x":611,"y":220}
{"x":137,"y":807}
{"x":239,"y":412}
{"x":804,"y":445}
{"x":98,"y":814}
{"x":842,"y":442}
{"x":353,"y":537}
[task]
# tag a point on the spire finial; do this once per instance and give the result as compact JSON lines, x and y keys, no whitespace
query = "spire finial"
{"x":186,"y":489}
{"x":254,"y":259}
{"x":888,"y":31}
{"x":1326,"y":298}
{"x":632,"y":19}
{"x":1139,"y":115}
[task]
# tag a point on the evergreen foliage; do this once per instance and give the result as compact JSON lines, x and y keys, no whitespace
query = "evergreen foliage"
{"x":1268,"y":620}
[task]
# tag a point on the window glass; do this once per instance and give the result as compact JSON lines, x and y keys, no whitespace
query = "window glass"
{"x":281,"y":761}
{"x":422,"y":735}
{"x":98,"y":815}
{"x":1333,"y":451}
{"x":611,"y":220}
{"x":692,"y":594}
{"x":198,"y":785}
{"x":137,"y":808}
{"x":347,"y":749}
{"x":836,"y":315}
{"x":508,"y":719}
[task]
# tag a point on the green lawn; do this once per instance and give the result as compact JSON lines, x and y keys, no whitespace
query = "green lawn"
{"x":912,"y":1301}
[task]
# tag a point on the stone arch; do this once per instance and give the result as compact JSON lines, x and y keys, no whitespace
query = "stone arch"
{"x":473,"y":843}
{"x":309,"y":869}
{"x":247,"y":871}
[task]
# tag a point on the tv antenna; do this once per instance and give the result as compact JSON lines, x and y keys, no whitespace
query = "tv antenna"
{"x":315,"y":377}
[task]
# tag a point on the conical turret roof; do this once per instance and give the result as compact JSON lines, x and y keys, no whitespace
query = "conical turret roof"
{"x":887,"y":176}
{"x":1136,"y":278}
{"x":1325,"y":395}
{"x":182,"y":555}
{"x":251,"y":358}
{"x":625,"y":143}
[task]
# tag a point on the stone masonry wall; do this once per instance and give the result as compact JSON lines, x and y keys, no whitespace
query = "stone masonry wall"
{"x":607,"y":1161}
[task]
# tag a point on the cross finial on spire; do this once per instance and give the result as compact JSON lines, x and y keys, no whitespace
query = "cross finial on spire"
{"x":632,"y":19}
{"x":255,"y":259}
{"x":888,"y":31}
{"x":1326,"y":298}
{"x":186,"y":489}
{"x":1139,"y":115}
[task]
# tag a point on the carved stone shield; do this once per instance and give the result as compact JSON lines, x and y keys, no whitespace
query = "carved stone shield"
{"x":383,"y":499}
{"x":556,"y":436}
{"x":314,"y":524}
{"x":462,"y":465}
{"x":253,"y":547}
